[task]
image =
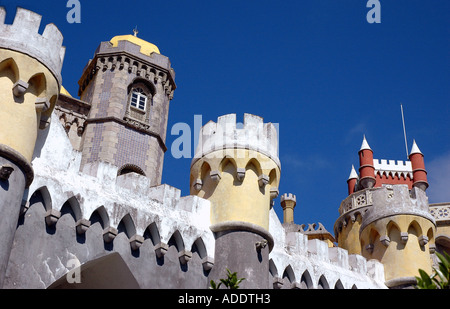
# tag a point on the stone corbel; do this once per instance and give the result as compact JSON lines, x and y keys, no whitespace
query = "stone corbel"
{"x":385,"y":240}
{"x":42,"y":104}
{"x":19,"y":88}
{"x":432,"y":248}
{"x":184,"y":256}
{"x":404,"y":237}
{"x":263,"y":180}
{"x":277,"y":283}
{"x":6,"y":171}
{"x":274,"y":193}
{"x":44,"y":122}
{"x":423,"y":240}
{"x":261,"y":244}
{"x":295,"y":286}
{"x":161,"y":249}
{"x":369,"y":248}
{"x":109,"y":234}
{"x":198,"y":184}
{"x":136,"y":242}
{"x":240,"y":173}
{"x":82,"y":226}
{"x":52,"y":216}
{"x":215,"y":175}
{"x":207,"y":263}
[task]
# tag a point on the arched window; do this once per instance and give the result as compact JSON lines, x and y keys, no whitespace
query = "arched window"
{"x":138,"y":99}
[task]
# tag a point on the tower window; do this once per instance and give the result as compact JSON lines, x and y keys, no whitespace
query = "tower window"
{"x":138,"y":99}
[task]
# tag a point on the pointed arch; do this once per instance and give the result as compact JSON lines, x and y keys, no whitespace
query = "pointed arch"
{"x":152,"y":233}
{"x":72,"y":207}
{"x":393,"y":231}
{"x":126,"y":225}
{"x":373,"y":235}
{"x":254,"y":165}
{"x":289,"y":274}
{"x":414,"y":228}
{"x":273,"y":268}
{"x":176,"y":240}
{"x":199,"y":247}
{"x":323,"y":283}
{"x":338,"y":285}
{"x":205,"y":170}
{"x":273,"y":178}
{"x":38,"y":85}
{"x":225,"y":162}
{"x":9,"y":69}
{"x":306,"y":281}
{"x":430,"y":234}
{"x":41,"y":194}
{"x":100,"y":215}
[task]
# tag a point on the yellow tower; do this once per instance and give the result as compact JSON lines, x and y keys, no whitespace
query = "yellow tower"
{"x":238,"y":170}
{"x":30,"y":80}
{"x":398,"y":230}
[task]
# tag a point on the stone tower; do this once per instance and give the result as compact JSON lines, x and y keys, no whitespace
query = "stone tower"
{"x":386,"y":215}
{"x":30,"y":80}
{"x":238,"y":170}
{"x":129,"y":86}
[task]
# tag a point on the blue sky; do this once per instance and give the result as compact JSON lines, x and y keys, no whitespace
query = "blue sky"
{"x":315,"y":67}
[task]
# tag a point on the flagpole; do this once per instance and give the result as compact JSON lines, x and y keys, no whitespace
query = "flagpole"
{"x":404,"y":130}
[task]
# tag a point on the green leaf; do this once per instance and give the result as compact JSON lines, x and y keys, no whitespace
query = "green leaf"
{"x":425,"y":279}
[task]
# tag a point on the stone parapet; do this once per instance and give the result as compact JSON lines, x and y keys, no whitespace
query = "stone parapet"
{"x":226,"y":134}
{"x":23,"y":36}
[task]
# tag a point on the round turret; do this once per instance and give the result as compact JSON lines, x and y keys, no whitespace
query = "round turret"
{"x":238,"y":171}
{"x":366,"y":168}
{"x":418,"y":167}
{"x":30,"y":67}
{"x":352,"y":180}
{"x":397,"y":230}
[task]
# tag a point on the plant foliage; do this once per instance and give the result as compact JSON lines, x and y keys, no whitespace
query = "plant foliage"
{"x":231,"y":282}
{"x":440,"y":278}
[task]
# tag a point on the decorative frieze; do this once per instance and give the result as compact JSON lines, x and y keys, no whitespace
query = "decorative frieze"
{"x":440,"y":212}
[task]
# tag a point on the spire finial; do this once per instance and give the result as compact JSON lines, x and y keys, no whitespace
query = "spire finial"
{"x":415,"y":148}
{"x":353,"y":174}
{"x":364,"y":144}
{"x":135,"y":31}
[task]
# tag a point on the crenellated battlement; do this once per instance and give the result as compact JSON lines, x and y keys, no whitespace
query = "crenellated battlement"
{"x":254,"y":134}
{"x":135,"y":56}
{"x":392,"y":200}
{"x":393,"y":168}
{"x":297,"y":261}
{"x":23,"y":36}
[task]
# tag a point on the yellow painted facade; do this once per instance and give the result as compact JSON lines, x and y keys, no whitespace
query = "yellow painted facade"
{"x":20,"y":118}
{"x":349,"y":236}
{"x":233,"y":199}
{"x":404,"y":254}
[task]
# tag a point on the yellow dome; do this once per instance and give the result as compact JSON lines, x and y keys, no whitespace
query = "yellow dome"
{"x":146,"y":47}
